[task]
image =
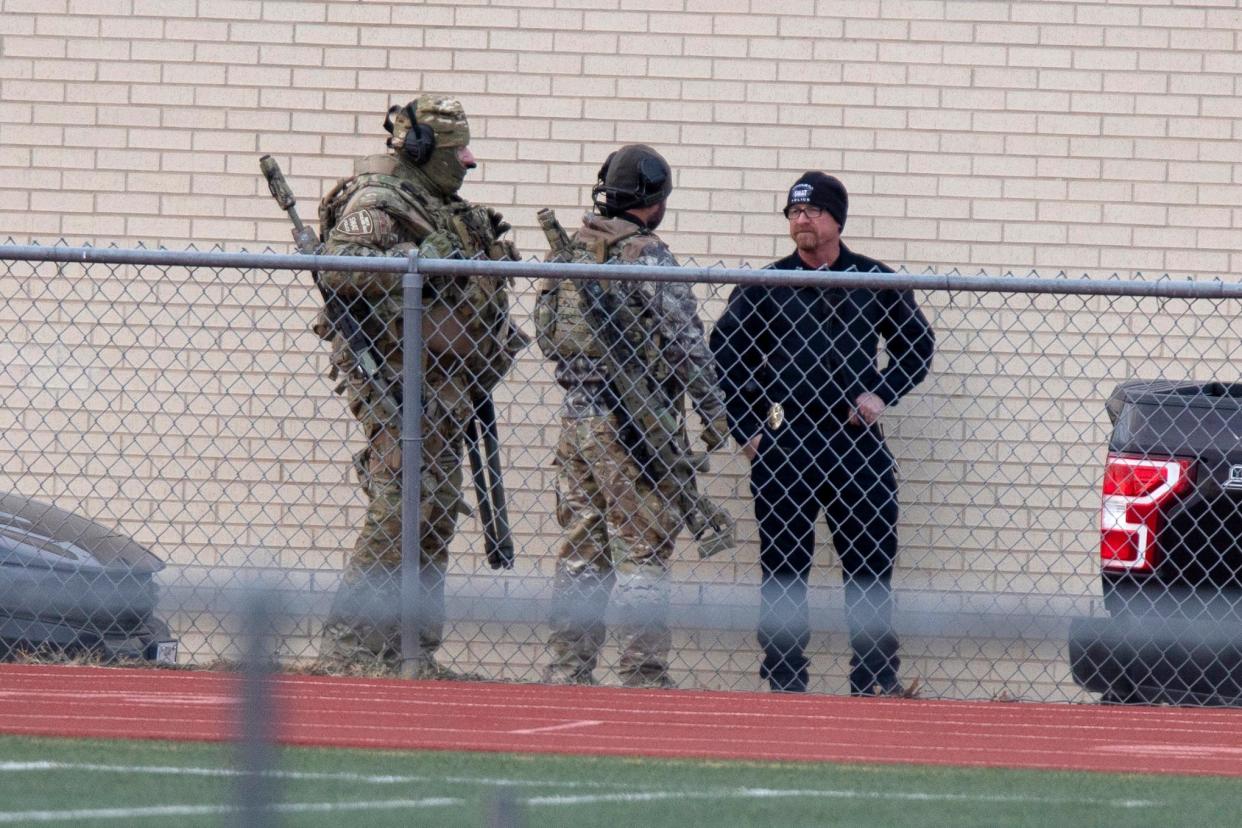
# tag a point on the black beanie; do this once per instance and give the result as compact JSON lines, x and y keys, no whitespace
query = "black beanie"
{"x":822,"y":191}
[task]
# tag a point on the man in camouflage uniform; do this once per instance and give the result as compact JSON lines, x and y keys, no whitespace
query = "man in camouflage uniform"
{"x":396,"y":203}
{"x":620,"y":526}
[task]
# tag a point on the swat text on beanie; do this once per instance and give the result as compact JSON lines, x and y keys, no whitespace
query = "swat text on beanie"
{"x":820,"y":190}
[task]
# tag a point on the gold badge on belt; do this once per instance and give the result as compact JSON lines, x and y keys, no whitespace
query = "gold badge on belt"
{"x":776,"y":416}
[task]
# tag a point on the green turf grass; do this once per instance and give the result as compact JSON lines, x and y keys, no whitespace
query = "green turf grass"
{"x":86,"y":783}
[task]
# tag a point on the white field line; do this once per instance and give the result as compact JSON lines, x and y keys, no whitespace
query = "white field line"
{"x":1180,"y":751}
{"x":563,"y":726}
{"x":377,"y":779}
{"x":163,"y":811}
{"x":782,"y":793}
{"x":123,"y":697}
{"x":12,"y":817}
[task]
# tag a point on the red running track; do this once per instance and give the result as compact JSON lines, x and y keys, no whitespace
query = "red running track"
{"x":93,"y":702}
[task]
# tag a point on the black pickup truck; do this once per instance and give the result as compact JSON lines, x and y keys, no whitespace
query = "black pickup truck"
{"x":1170,"y":549}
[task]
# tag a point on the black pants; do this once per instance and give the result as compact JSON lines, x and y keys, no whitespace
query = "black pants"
{"x":848,"y":472}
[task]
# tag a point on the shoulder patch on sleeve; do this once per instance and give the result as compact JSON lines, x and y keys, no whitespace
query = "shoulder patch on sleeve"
{"x":357,"y":223}
{"x":366,"y":224}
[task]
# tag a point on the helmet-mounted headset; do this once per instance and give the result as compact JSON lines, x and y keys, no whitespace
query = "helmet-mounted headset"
{"x":632,"y":177}
{"x":416,"y":140}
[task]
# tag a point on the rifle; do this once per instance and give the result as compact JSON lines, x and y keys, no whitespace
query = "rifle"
{"x":497,"y":538}
{"x":658,"y":434}
{"x":385,"y":387}
{"x":365,"y":364}
{"x":483,"y":441}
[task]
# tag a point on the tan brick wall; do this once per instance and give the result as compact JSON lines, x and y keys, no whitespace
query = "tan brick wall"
{"x":1073,"y":136}
{"x":1083,"y":135}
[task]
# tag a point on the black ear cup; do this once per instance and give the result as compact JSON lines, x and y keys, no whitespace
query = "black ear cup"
{"x":633,"y":176}
{"x":652,"y":176}
{"x":420,"y":142}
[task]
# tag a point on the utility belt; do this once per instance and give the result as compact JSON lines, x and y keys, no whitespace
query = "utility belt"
{"x":806,"y":414}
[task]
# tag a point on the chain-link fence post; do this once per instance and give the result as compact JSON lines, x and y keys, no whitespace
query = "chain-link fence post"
{"x":257,"y":792}
{"x":411,"y":462}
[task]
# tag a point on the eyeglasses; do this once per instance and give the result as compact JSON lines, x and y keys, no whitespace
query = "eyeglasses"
{"x":808,"y":210}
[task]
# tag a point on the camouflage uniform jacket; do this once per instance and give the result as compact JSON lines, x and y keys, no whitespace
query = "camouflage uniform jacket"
{"x":388,"y":209}
{"x":683,"y":363}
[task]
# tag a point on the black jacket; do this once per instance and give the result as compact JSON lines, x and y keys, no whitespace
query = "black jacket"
{"x":814,"y":349}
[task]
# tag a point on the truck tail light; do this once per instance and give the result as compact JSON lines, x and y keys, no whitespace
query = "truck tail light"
{"x":1135,"y":489}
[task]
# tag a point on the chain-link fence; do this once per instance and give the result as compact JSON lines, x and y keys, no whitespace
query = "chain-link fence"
{"x":171,"y":437}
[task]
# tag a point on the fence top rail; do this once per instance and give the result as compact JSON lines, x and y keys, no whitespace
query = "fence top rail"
{"x":983,"y":283}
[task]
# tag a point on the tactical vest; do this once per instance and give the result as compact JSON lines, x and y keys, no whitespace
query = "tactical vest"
{"x":473,"y":228}
{"x":467,"y":318}
{"x":561,"y":329}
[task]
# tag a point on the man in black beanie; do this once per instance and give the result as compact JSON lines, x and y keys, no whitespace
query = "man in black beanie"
{"x":798,"y":368}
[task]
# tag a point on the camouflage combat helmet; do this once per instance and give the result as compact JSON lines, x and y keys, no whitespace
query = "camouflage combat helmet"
{"x":428,"y":131}
{"x":633,"y":176}
{"x":427,"y":122}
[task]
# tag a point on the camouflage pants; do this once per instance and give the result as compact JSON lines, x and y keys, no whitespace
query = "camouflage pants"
{"x":619,"y":532}
{"x":362,"y":633}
